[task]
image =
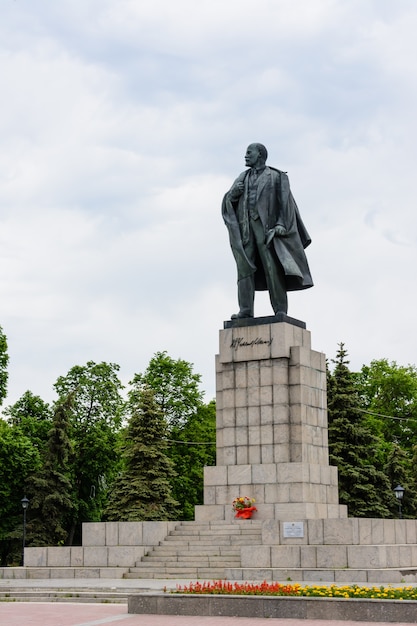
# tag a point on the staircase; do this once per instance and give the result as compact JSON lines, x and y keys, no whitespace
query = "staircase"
{"x":199,"y":550}
{"x":15,"y":593}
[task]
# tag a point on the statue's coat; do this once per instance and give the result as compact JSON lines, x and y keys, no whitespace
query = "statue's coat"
{"x":276,"y":206}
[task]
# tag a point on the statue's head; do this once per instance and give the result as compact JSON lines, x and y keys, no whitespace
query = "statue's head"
{"x":256,"y":155}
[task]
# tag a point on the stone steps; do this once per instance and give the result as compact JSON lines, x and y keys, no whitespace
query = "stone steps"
{"x":196,"y":558}
{"x":151,"y":566}
{"x":56,"y":573}
{"x":223,"y":540}
{"x":209,"y":533}
{"x":194,"y":553}
{"x":198,"y":550}
{"x":188,"y":573}
{"x":16,"y":594}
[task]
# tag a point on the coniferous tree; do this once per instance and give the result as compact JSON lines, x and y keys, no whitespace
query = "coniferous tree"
{"x":191,"y":425}
{"x":143,"y":491}
{"x":50,"y":490}
{"x":363,"y":487}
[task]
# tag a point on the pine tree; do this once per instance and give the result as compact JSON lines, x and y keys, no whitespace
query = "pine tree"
{"x":362,"y":486}
{"x":50,"y":489}
{"x":142,"y":491}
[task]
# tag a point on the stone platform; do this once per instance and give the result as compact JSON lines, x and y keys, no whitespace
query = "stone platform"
{"x":351,"y":550}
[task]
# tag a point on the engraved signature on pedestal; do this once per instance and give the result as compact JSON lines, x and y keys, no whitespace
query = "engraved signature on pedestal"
{"x":240,"y":342}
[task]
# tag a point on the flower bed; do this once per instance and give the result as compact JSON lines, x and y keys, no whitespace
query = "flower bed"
{"x":222,"y":587}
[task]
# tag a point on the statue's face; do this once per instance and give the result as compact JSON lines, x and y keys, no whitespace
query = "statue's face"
{"x":252,"y":156}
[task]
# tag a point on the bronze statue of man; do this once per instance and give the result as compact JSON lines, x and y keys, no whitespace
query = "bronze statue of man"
{"x":267,"y":235}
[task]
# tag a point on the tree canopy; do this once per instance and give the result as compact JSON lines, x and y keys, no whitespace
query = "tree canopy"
{"x":175,"y":385}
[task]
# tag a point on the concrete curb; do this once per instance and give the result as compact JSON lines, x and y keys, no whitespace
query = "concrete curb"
{"x":361,"y":609}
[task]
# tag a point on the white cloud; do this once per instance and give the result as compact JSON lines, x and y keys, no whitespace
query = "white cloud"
{"x":122,"y":125}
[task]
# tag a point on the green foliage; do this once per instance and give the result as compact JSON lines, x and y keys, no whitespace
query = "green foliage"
{"x":388,"y":389}
{"x":400,"y":469}
{"x":98,"y":409}
{"x":143,"y":491}
{"x":389,"y":397}
{"x":96,"y":390}
{"x":4,"y":361}
{"x":198,"y":450}
{"x":50,"y":489}
{"x":18,"y":458}
{"x":175,"y":385}
{"x":362,"y":486}
{"x":32,"y":416}
{"x":180,"y":399}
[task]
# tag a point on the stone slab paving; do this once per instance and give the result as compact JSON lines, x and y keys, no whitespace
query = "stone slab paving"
{"x":52,"y":614}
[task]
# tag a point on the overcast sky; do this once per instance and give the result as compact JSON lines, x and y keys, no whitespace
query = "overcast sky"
{"x":124,"y":122}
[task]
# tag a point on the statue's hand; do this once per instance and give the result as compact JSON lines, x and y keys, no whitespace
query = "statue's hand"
{"x":280,"y":231}
{"x":237,"y":190}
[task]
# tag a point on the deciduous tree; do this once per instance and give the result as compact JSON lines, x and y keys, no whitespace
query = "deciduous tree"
{"x":98,"y":409}
{"x":389,"y":394}
{"x":192,"y":447}
{"x":175,"y":385}
{"x":18,"y":459}
{"x":32,"y":416}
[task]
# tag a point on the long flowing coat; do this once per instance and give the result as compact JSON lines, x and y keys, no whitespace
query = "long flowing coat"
{"x":276,"y":206}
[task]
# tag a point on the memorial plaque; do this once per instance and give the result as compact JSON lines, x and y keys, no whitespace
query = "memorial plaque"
{"x":293,"y":529}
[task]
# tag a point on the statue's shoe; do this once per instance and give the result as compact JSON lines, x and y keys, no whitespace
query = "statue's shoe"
{"x":239,"y":316}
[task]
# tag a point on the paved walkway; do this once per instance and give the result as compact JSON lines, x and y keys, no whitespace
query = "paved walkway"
{"x":58,"y":614}
{"x":116,"y":584}
{"x":79,"y":614}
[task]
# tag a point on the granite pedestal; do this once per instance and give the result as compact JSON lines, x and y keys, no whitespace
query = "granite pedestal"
{"x":271,"y":425}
